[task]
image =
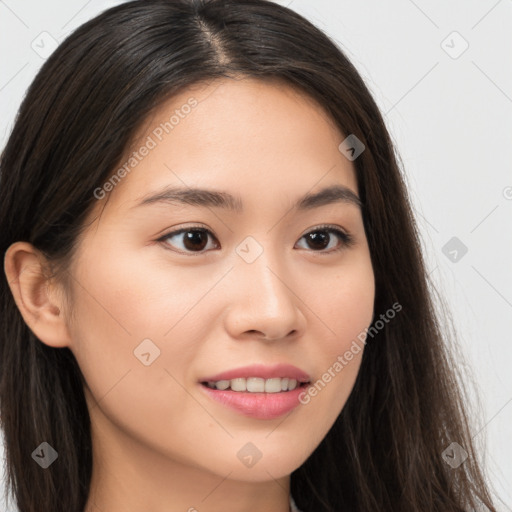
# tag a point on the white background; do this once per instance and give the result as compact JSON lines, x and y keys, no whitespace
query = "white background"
{"x":451,"y":118}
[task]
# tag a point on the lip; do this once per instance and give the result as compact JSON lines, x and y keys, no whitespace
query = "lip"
{"x":262,"y":371}
{"x":263,"y":406}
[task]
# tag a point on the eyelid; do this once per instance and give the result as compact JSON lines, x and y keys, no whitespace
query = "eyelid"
{"x":347,"y":240}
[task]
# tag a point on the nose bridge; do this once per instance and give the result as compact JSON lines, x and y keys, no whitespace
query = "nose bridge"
{"x":263,"y":300}
{"x":260,"y":268}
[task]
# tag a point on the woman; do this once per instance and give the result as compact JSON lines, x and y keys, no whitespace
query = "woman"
{"x":286,"y":352}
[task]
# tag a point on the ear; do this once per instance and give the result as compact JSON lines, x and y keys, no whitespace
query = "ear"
{"x":35,"y":297}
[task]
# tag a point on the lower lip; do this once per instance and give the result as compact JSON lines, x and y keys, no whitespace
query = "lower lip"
{"x":263,"y":406}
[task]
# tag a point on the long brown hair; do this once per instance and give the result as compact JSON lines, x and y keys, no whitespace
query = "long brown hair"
{"x":385,"y":450}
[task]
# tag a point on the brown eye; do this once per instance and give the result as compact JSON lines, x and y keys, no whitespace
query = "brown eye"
{"x":318,"y":240}
{"x":195,"y":240}
{"x":192,"y":239}
{"x":321,"y":239}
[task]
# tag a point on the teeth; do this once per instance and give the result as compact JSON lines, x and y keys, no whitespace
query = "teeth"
{"x":255,"y":384}
{"x":273,"y":385}
{"x":222,"y":384}
{"x":236,"y":384}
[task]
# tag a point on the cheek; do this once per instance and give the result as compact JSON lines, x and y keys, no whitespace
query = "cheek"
{"x":133,"y":293}
{"x":349,"y":310}
{"x":120,"y":326}
{"x":126,"y":315}
{"x":344,"y":305}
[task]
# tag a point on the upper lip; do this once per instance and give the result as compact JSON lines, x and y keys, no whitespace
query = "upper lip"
{"x":261,"y":371}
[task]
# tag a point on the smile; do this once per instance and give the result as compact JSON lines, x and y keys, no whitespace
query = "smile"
{"x":258,"y":391}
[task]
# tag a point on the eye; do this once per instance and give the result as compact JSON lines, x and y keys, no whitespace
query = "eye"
{"x":195,"y":239}
{"x":321,"y":237}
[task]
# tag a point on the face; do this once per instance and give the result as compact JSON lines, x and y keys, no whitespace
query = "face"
{"x":172,"y":292}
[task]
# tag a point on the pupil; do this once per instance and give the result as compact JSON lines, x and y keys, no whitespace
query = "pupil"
{"x":194,"y":237}
{"x":321,"y":238}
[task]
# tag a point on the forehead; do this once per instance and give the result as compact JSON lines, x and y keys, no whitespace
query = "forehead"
{"x":243,"y":135}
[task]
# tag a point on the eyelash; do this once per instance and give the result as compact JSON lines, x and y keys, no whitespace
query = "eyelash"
{"x":346,"y":239}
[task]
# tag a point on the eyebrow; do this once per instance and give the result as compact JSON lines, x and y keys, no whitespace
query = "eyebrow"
{"x":221,"y":199}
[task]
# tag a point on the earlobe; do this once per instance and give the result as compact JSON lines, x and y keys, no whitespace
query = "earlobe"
{"x":24,"y":268}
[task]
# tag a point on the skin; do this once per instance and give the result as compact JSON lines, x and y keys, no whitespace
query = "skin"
{"x":159,"y":442}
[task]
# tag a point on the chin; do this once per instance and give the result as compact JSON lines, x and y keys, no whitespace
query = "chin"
{"x":273,"y":463}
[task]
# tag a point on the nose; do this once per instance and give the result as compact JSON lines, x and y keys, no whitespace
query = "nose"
{"x":262,"y":301}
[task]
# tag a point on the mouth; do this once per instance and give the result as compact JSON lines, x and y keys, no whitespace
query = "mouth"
{"x":258,"y":391}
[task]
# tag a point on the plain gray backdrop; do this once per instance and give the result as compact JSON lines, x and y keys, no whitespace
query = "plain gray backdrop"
{"x":441,"y":74}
